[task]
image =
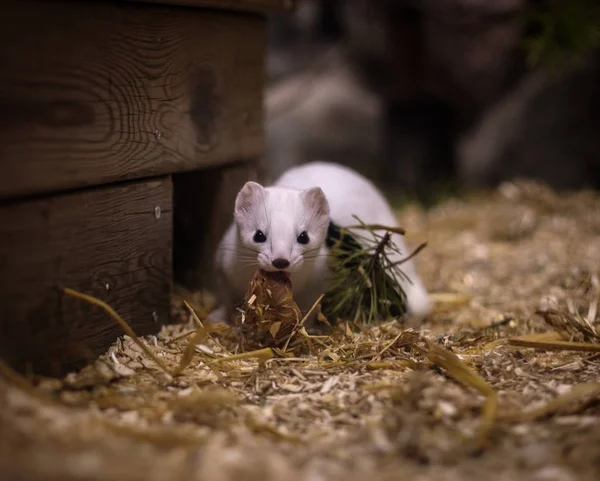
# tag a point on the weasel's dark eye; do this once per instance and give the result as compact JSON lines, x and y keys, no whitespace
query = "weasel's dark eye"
{"x":303,"y":238}
{"x":259,"y":236}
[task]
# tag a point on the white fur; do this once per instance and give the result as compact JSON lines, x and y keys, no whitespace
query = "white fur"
{"x":282,"y":213}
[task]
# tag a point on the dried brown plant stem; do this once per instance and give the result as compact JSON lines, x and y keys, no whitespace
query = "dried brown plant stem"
{"x":419,"y":248}
{"x":21,"y":382}
{"x":263,"y":355}
{"x":299,"y":326}
{"x":459,"y":371}
{"x":579,"y":397}
{"x":120,"y":321}
{"x":200,"y":335}
{"x":526,"y":341}
{"x":372,"y":227}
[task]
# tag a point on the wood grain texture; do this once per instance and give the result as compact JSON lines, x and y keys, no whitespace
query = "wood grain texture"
{"x":97,"y":92}
{"x":203,"y":210}
{"x":242,"y":5}
{"x":108,"y":242}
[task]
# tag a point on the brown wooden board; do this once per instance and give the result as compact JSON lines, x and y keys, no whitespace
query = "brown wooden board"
{"x":203,"y":210}
{"x":244,"y":5}
{"x":96,"y":92}
{"x":110,"y":242}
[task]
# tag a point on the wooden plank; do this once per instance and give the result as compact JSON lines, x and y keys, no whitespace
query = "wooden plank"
{"x":110,"y":242}
{"x":241,"y":5}
{"x":98,"y":92}
{"x":203,"y":209}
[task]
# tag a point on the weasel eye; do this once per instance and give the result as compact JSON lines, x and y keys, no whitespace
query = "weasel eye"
{"x":259,"y":236}
{"x":303,"y":238}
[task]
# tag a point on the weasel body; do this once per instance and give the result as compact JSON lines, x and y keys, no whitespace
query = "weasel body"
{"x":284,"y":226}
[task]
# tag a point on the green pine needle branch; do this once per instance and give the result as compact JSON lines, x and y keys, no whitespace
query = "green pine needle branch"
{"x":365,"y":285}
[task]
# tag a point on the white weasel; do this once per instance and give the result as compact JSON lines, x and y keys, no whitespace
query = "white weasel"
{"x":284,"y":226}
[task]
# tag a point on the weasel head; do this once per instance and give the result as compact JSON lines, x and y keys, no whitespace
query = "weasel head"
{"x":280,"y":228}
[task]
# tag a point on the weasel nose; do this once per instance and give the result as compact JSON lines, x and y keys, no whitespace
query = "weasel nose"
{"x":281,"y":263}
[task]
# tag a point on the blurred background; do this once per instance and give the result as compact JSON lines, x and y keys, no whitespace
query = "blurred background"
{"x":429,"y":97}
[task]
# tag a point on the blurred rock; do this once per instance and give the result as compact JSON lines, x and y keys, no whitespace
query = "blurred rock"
{"x":472,"y":54}
{"x":546,"y":128}
{"x":295,"y":38}
{"x":419,"y":94}
{"x":461,"y":52}
{"x":322,"y":113}
{"x":436,"y":65}
{"x":384,"y":43}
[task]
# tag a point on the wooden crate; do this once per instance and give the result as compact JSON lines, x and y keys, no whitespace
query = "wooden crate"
{"x":102,"y":105}
{"x":111,"y":242}
{"x":98,"y":92}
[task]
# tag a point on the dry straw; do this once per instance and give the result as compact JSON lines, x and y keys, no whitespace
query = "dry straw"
{"x":490,"y":370}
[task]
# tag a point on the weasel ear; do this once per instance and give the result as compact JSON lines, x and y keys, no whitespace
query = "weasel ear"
{"x":247,"y":199}
{"x":316,"y":202}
